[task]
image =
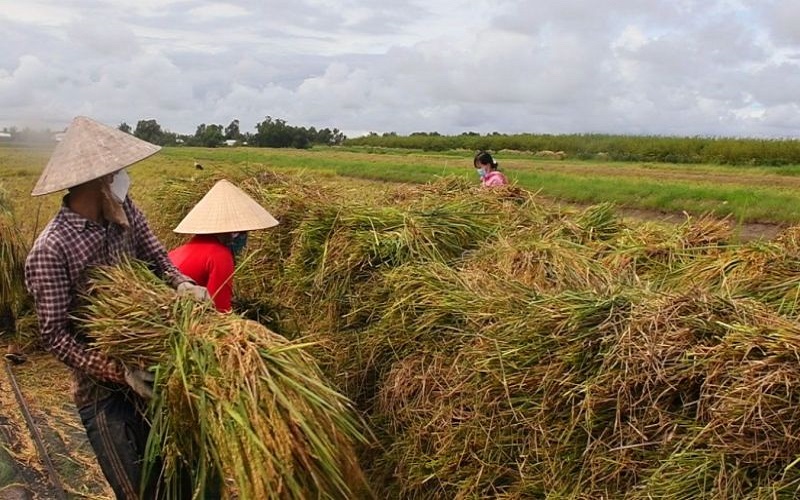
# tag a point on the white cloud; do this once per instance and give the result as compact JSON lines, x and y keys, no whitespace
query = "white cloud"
{"x":628,"y":66}
{"x":38,"y":13}
{"x":215,"y":12}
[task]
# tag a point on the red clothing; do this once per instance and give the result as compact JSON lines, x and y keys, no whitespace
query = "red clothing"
{"x":210,"y":264}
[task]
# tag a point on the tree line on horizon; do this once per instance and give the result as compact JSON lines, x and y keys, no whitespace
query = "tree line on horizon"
{"x":277,"y":133}
{"x":270,"y":133}
{"x":666,"y":149}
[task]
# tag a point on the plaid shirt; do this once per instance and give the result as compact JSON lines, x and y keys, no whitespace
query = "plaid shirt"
{"x":56,"y":275}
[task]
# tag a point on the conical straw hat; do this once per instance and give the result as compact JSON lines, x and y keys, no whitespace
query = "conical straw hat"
{"x":225,"y":209}
{"x":90,"y":150}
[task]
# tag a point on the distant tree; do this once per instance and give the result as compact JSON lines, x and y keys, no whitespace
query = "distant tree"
{"x":150,"y":131}
{"x":169,"y":139}
{"x":125,"y":127}
{"x":273,"y":133}
{"x":209,"y":136}
{"x":324,"y":136}
{"x":232,"y":131}
{"x":338,"y":138}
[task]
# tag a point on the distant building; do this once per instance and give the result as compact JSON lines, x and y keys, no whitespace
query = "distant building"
{"x":5,"y":136}
{"x":230,"y":142}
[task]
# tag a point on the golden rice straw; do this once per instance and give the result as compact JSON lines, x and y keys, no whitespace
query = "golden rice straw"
{"x":232,"y":399}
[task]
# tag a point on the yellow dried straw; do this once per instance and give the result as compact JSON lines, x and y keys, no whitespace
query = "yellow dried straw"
{"x":233,"y":400}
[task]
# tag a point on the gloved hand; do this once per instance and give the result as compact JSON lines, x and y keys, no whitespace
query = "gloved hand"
{"x":187,"y":288}
{"x":141,"y":381}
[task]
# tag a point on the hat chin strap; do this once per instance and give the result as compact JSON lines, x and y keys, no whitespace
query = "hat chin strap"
{"x":112,"y":211}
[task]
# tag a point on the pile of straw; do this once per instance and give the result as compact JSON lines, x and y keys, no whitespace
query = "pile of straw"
{"x":233,"y":400}
{"x":14,"y":298}
{"x":562,"y":354}
{"x":503,"y":348}
{"x":12,"y":263}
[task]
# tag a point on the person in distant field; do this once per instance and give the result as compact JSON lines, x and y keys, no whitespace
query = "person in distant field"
{"x":220,"y":223}
{"x":488,"y":169}
{"x":98,"y":225}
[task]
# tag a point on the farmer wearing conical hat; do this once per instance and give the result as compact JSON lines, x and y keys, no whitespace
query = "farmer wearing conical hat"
{"x":97,"y":225}
{"x":219,"y":222}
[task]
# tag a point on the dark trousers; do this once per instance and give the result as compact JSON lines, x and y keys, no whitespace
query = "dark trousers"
{"x":118,"y":433}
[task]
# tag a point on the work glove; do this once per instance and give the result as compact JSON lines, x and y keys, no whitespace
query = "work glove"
{"x":187,"y":288}
{"x":141,"y":381}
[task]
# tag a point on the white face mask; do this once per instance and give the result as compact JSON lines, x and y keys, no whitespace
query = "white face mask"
{"x":119,"y":185}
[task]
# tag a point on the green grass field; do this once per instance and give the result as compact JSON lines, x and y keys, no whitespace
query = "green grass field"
{"x":747,"y":194}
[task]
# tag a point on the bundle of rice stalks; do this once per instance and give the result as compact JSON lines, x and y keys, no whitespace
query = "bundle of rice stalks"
{"x":543,"y":264}
{"x":765,"y":271}
{"x":694,"y":474}
{"x":660,"y":254}
{"x":784,"y":485}
{"x":232,"y":399}
{"x":640,"y":253}
{"x":409,"y":307}
{"x":595,"y":391}
{"x":336,"y":251}
{"x":481,"y":382}
{"x":705,"y":231}
{"x":642,"y":402}
{"x":789,"y":239}
{"x":750,"y":398}
{"x":16,"y":316}
{"x":453,"y":434}
{"x":12,"y":264}
{"x":290,"y":198}
{"x":598,"y":222}
{"x":514,"y":206}
{"x":445,"y":187}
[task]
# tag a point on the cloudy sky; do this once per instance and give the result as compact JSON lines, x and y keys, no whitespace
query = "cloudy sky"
{"x":666,"y":67}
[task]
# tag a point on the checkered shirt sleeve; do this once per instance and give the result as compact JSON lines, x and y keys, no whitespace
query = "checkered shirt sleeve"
{"x":47,"y":275}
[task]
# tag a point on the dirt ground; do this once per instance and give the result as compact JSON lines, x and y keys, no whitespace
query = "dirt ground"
{"x":45,"y":386}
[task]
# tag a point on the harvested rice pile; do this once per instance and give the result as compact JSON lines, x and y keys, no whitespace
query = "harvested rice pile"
{"x":503,"y":348}
{"x":15,"y":303}
{"x":559,"y":354}
{"x":232,"y":399}
{"x":12,"y":261}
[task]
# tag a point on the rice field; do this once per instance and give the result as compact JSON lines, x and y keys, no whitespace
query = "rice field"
{"x":495,"y":344}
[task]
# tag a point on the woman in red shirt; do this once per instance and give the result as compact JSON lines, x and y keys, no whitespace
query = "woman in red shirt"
{"x":219,"y":222}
